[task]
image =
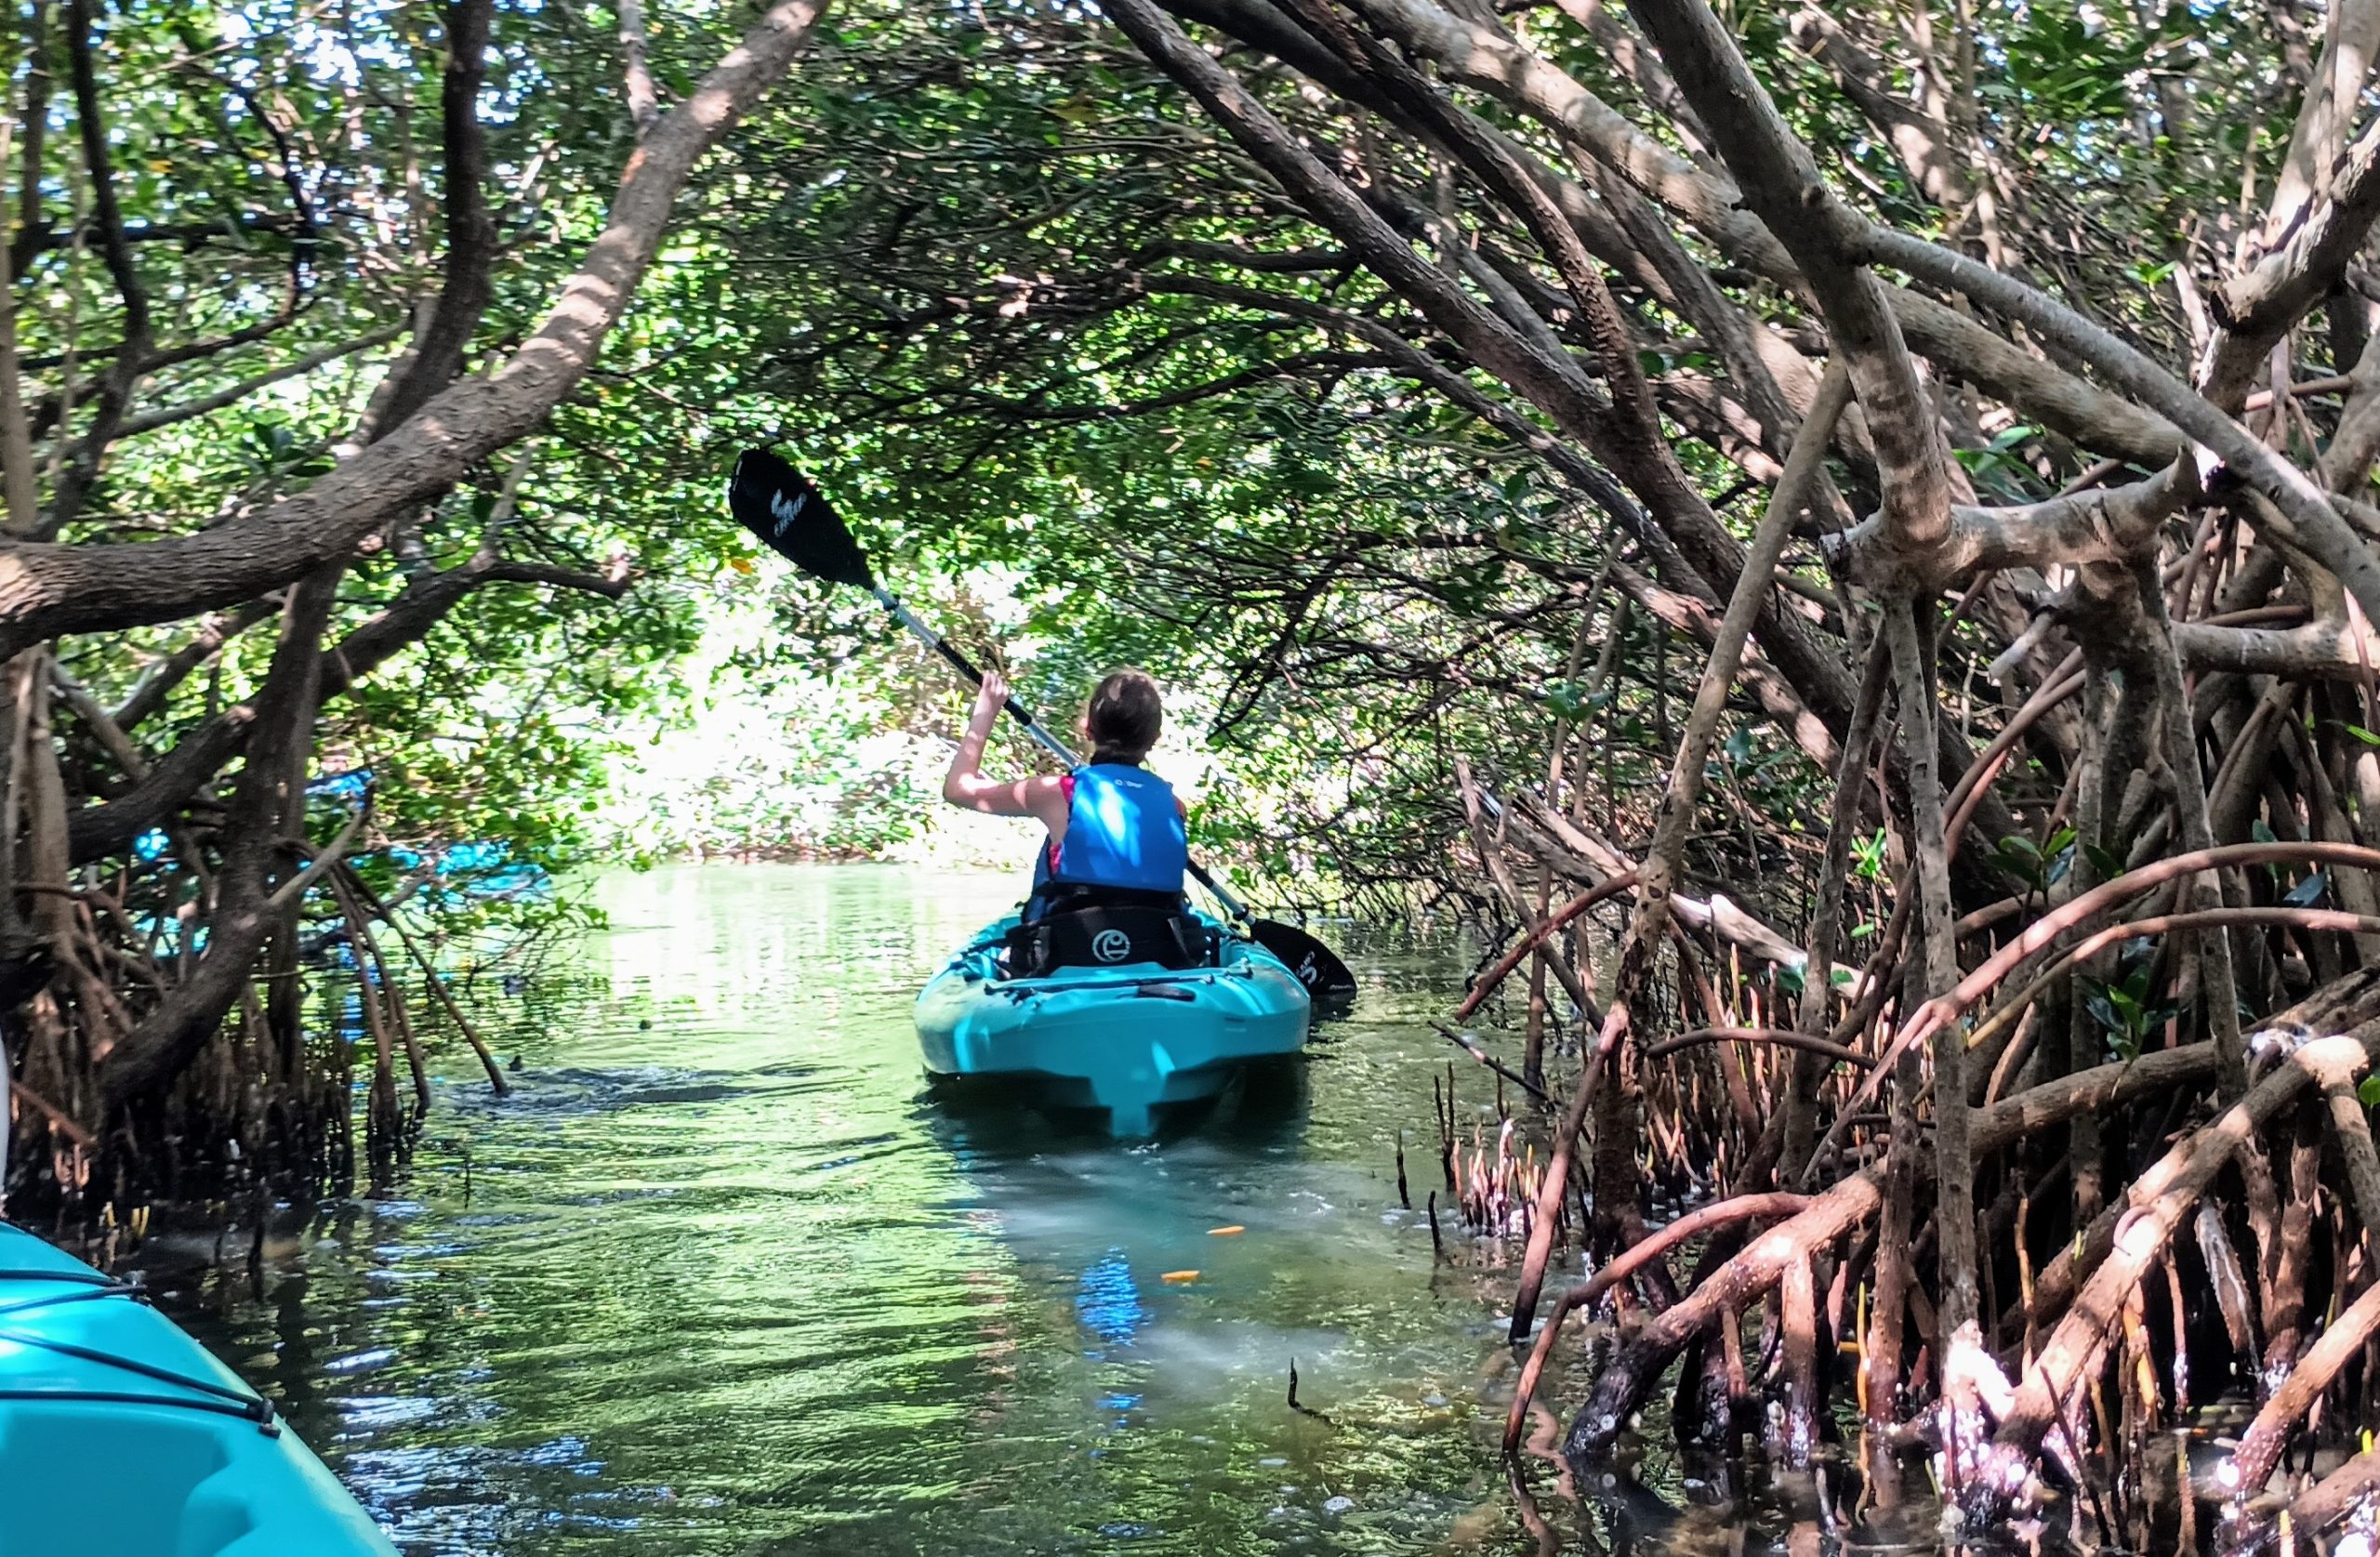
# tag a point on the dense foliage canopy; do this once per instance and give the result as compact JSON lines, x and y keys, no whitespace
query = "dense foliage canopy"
{"x":1866,"y":485}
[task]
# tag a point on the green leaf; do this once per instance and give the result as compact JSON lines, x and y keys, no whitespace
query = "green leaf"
{"x":2308,"y":891}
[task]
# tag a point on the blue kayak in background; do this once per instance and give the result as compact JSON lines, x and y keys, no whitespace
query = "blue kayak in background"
{"x":1127,"y":1038}
{"x":120,"y":1435}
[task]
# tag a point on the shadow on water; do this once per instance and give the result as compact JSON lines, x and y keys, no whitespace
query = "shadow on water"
{"x":723,"y":1275}
{"x":1267,"y":1105}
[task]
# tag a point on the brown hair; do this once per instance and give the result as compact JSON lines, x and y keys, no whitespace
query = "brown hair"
{"x":1126,"y":714}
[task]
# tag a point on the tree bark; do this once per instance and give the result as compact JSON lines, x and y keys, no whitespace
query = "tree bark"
{"x":469,"y":283}
{"x":271,"y":792}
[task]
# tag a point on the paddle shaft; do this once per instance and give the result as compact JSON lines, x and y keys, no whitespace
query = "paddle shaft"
{"x":1023,"y":716}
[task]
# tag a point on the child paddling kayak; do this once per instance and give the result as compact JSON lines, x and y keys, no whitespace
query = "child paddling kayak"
{"x":1116,"y":829}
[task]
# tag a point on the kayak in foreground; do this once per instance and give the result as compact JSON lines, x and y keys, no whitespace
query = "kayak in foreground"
{"x":119,"y":1435}
{"x":1128,"y":1012}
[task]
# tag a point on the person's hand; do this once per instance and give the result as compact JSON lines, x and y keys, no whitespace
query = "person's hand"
{"x":989,"y":699}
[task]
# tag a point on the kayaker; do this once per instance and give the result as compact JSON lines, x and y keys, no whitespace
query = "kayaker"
{"x":1116,"y":834}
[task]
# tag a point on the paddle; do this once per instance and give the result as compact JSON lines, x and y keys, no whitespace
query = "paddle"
{"x":778,"y":504}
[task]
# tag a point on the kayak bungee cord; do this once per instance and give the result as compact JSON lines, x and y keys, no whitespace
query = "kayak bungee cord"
{"x":92,"y":1285}
{"x":214,"y":1397}
{"x":106,"y":1287}
{"x":84,"y":1278}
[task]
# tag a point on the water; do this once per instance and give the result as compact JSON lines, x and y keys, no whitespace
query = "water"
{"x":720,"y":1277}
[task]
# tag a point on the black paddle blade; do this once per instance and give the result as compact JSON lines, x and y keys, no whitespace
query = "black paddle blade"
{"x":793,"y":518}
{"x":1327,"y":980}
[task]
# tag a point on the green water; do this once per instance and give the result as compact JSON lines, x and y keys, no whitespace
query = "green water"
{"x":721,"y":1277}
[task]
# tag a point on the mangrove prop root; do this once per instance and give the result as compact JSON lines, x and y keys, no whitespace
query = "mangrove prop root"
{"x":2351,"y":1128}
{"x":1636,"y":1362}
{"x":1485,"y":843}
{"x":2156,"y":1204}
{"x":1487,"y":983}
{"x":2329,"y":1500}
{"x":2011,"y":1011}
{"x":1798,"y":1431}
{"x":1648,"y":924}
{"x":1781,"y":1037}
{"x":432,"y":976}
{"x":1492,"y":1063}
{"x":1843,"y":817}
{"x":1702,"y":1219}
{"x":2251,"y":1465}
{"x":1558,"y":1171}
{"x":2038,"y":937}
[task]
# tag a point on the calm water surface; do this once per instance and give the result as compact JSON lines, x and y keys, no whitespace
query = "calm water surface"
{"x":721,"y":1277}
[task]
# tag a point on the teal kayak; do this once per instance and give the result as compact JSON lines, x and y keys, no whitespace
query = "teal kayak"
{"x":119,"y":1435}
{"x":1129,"y":1039}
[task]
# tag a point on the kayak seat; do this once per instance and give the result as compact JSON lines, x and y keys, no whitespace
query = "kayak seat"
{"x":1109,"y":935}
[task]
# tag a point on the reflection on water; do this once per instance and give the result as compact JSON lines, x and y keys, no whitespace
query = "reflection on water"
{"x":722,"y":1277}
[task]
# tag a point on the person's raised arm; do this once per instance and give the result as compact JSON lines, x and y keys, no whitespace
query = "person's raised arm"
{"x":966,"y":786}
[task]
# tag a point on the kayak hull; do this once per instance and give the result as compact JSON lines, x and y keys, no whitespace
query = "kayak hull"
{"x":172,"y":1454}
{"x":1129,"y":1040}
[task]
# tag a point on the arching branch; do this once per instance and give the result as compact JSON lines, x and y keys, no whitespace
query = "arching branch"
{"x":48,"y":590}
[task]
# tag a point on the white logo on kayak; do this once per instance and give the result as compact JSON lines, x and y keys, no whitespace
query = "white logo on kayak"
{"x":1111,"y":946}
{"x":786,"y":512}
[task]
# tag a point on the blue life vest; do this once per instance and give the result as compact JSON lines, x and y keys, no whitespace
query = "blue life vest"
{"x":1124,"y":830}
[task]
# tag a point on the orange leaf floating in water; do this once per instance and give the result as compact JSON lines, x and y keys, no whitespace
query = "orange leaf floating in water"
{"x":741,"y":564}
{"x":1226,"y":1231}
{"x":1179,"y":1278}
